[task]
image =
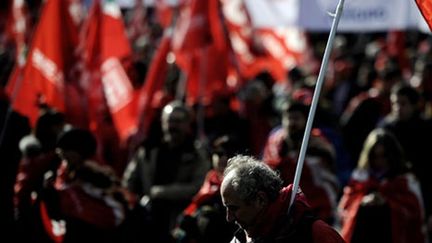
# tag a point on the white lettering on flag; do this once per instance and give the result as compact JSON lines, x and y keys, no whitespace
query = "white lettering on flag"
{"x":117,"y":87}
{"x":47,"y":67}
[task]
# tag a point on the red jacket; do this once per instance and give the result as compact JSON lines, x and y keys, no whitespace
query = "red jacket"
{"x":89,"y":202}
{"x":300,"y":226}
{"x":402,"y":195}
{"x":209,"y":192}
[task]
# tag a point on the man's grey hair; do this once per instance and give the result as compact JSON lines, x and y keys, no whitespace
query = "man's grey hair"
{"x":251,"y":176}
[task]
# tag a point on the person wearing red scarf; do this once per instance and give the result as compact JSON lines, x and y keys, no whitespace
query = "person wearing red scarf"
{"x":83,"y":202}
{"x":382,"y":202}
{"x":258,"y":203}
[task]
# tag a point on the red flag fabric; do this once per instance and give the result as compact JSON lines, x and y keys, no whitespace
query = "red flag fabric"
{"x":201,"y":48}
{"x":165,"y":12}
{"x":45,"y":76}
{"x":191,"y":30}
{"x":207,"y":71}
{"x":107,"y":54}
{"x":56,"y":229}
{"x":217,"y":27}
{"x":425,"y":7}
{"x":153,"y":83}
{"x":258,"y":50}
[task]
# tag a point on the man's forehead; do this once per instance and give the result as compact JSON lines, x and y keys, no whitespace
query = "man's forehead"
{"x":229,"y":196}
{"x":227,"y":179}
{"x":227,"y":189}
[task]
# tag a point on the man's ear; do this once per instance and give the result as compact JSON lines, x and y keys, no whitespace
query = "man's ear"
{"x":262,"y":199}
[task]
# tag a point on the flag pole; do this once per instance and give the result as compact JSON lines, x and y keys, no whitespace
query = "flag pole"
{"x":315,"y":99}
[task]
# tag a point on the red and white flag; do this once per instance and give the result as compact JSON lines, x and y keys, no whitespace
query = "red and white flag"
{"x":107,"y":55}
{"x":191,"y":30}
{"x":425,"y":7}
{"x":201,"y":46}
{"x":45,"y":78}
{"x":258,"y":49}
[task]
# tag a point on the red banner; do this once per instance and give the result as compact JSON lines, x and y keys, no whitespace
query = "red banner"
{"x":425,"y":7}
{"x":45,"y":77}
{"x":107,"y":54}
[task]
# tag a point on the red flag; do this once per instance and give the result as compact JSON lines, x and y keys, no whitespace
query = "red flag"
{"x":207,"y":71}
{"x":425,"y":7}
{"x":154,"y":82}
{"x":45,"y":77}
{"x":107,"y":55}
{"x":258,"y":50}
{"x":218,"y":30}
{"x":201,"y":48}
{"x":165,"y":12}
{"x":191,"y":30}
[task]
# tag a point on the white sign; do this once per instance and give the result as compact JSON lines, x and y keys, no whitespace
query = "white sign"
{"x":357,"y":16}
{"x":129,"y":4}
{"x":273,"y":12}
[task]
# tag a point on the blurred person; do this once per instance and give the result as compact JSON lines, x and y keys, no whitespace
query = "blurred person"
{"x":111,"y":150}
{"x":283,"y":90}
{"x":84,"y":201}
{"x":204,"y":219}
{"x":422,"y":81}
{"x":368,"y":108}
{"x":383,"y":201}
{"x":281,"y":152}
{"x":221,"y":119}
{"x":256,"y":99}
{"x":342,"y":85}
{"x":165,"y":176}
{"x":366,"y":75}
{"x":13,"y":127}
{"x":158,"y":101}
{"x":257,"y":202}
{"x":413,"y":132}
{"x":326,"y":125}
{"x":39,"y":157}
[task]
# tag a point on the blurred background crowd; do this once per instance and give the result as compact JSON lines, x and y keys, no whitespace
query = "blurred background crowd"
{"x":117,"y":123}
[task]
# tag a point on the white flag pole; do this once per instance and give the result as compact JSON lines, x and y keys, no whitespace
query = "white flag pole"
{"x":315,"y":99}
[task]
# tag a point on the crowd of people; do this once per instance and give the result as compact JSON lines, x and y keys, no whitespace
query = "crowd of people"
{"x":210,"y":172}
